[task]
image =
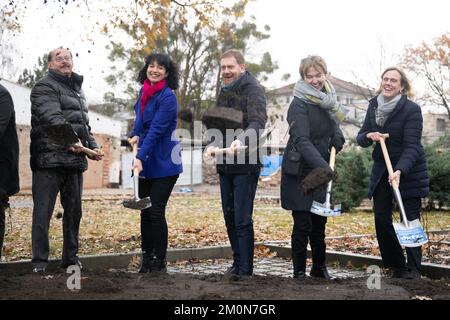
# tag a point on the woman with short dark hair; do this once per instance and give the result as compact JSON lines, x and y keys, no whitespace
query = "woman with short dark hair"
{"x":159,"y":155}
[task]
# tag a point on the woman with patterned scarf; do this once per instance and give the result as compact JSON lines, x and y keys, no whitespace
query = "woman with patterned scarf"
{"x":158,"y":158}
{"x":313,"y":118}
{"x":392,"y":112}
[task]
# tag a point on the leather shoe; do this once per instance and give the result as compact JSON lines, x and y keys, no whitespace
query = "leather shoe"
{"x":232,"y":270}
{"x":300,"y":275}
{"x":319,"y":272}
{"x":39,"y":270}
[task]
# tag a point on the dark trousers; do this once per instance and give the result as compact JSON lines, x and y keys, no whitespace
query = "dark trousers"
{"x":391,"y":251}
{"x":238,"y":194}
{"x":308,"y":227}
{"x":45,"y":186}
{"x":154,"y":233}
{"x":3,"y":205}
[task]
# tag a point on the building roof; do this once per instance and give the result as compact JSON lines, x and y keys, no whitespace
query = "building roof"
{"x":22,"y":106}
{"x":341,"y":86}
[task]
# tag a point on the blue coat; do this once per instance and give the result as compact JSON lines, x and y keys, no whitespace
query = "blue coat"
{"x":404,"y":126}
{"x":159,"y":152}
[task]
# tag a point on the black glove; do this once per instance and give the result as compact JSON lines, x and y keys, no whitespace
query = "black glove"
{"x":318,"y":178}
{"x":337,"y":143}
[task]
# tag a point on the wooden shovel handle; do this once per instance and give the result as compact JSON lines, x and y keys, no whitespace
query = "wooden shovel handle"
{"x":387,"y":160}
{"x":135,"y":151}
{"x":332,"y":157}
{"x":88,"y":151}
{"x":225,"y":150}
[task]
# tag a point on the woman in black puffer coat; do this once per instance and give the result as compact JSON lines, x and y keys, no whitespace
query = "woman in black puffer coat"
{"x":314,"y":129}
{"x":393,"y":113}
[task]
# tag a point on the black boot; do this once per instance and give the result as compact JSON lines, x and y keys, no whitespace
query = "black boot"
{"x":158,"y":266}
{"x":319,"y":272}
{"x":299,"y":267}
{"x":146,"y":263}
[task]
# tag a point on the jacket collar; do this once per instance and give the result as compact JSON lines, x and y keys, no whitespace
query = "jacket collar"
{"x":74,"y":81}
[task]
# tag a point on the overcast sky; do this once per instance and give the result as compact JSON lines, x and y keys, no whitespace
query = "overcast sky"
{"x":347,"y":33}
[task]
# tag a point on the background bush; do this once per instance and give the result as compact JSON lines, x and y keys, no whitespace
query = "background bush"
{"x":438,"y":159}
{"x":353,"y":169}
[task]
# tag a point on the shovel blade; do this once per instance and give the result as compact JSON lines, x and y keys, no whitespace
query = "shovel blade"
{"x":411,"y":236}
{"x":137,"y":204}
{"x":324,"y":211}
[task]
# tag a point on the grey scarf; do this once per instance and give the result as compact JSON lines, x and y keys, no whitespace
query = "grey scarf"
{"x":325,"y":100}
{"x":232,"y":86}
{"x":385,"y":108}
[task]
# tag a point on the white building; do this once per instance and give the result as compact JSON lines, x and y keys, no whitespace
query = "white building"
{"x":353,"y":100}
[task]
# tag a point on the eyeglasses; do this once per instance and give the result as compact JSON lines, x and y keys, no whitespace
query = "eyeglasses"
{"x":60,"y":58}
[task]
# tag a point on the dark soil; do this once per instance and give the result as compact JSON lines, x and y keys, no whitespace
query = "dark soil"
{"x":181,"y":286}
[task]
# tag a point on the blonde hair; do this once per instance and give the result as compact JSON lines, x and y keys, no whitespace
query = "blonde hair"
{"x":404,"y":81}
{"x":312,"y":61}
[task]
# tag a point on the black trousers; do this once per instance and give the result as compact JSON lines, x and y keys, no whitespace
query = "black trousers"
{"x":45,"y":187}
{"x":3,"y":206}
{"x":308,"y":227}
{"x":154,"y":232}
{"x":391,"y":251}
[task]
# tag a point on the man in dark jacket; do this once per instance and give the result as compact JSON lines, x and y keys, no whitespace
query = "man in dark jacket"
{"x":58,"y":99}
{"x":239,"y":171}
{"x":9,"y":157}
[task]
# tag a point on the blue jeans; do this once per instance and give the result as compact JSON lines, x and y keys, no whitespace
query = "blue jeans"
{"x":238,"y":193}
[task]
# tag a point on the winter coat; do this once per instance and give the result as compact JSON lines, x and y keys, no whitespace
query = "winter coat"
{"x":159,"y":149}
{"x":58,"y":99}
{"x":247,"y":96}
{"x":312,"y":133}
{"x":405,"y":149}
{"x":9,"y":145}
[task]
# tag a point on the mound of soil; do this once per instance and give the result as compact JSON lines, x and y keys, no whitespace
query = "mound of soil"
{"x":181,"y":286}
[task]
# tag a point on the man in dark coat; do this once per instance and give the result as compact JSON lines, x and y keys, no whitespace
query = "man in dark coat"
{"x":239,"y":171}
{"x":9,"y":157}
{"x":58,"y":99}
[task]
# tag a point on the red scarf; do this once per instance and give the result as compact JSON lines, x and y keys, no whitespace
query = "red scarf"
{"x":149,"y":90}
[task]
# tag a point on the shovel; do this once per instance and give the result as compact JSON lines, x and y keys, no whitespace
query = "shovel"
{"x":217,"y":152}
{"x":325,"y":209}
{"x":409,"y":233}
{"x":63,"y":134}
{"x":136,"y":203}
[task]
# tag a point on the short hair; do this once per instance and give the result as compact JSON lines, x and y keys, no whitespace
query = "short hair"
{"x":163,"y":60}
{"x":49,"y":57}
{"x":234,"y":53}
{"x":314,"y":61}
{"x":404,"y":81}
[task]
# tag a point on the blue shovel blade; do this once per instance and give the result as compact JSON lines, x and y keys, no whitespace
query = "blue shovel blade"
{"x":413,"y":236}
{"x":321,"y":210}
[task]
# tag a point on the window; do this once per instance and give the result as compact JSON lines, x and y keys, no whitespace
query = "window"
{"x":440,"y":125}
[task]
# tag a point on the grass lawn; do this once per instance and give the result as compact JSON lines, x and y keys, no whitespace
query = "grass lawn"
{"x":194,"y":221}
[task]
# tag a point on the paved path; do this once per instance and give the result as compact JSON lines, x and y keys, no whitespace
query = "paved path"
{"x":262,"y":266}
